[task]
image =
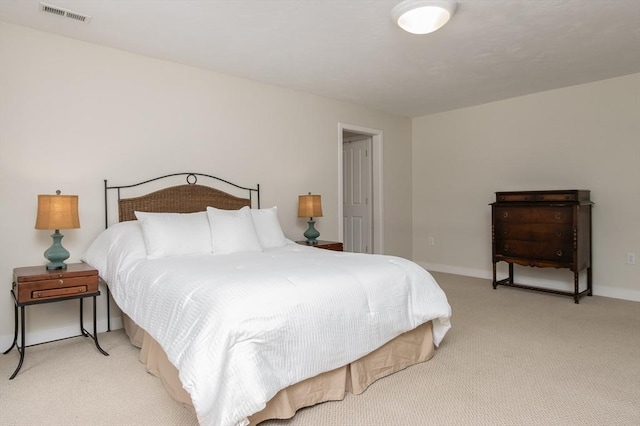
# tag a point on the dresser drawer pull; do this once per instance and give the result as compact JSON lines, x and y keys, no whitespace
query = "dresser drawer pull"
{"x":505,"y":231}
{"x":558,"y":215}
{"x":506,"y":247}
{"x":559,"y":234}
{"x":559,"y":253}
{"x":60,"y":282}
{"x":505,"y":214}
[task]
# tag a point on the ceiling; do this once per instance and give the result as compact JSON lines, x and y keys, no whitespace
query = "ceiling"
{"x":352,"y":51}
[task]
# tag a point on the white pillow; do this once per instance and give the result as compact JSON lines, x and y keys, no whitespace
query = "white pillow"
{"x":268,"y":227}
{"x":232,"y":231}
{"x":172,"y":234}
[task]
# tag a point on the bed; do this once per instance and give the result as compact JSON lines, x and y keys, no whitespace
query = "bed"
{"x":254,"y":326}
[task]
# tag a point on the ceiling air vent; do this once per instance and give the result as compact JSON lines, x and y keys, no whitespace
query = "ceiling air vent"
{"x":55,"y":10}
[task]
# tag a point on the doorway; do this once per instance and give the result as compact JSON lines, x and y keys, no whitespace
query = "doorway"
{"x":357,"y":208}
{"x":360,"y":189}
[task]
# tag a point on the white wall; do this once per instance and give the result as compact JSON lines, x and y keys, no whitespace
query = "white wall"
{"x":580,"y":137}
{"x":75,"y":113}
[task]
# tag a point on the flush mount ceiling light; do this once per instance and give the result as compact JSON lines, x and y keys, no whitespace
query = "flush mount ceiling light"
{"x":423,"y":16}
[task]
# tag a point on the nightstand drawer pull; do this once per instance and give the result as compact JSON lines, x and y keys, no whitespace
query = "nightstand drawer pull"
{"x":60,"y":282}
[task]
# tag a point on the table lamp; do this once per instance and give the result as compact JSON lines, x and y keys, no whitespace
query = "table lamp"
{"x":56,"y":212}
{"x":310,"y":206}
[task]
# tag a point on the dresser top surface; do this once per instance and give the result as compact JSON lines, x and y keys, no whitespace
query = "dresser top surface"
{"x":567,"y":196}
{"x":554,"y":191}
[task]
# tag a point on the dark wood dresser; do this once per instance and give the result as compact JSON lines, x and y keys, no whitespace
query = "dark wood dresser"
{"x":543,"y":229}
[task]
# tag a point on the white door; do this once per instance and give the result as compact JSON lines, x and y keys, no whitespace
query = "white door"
{"x":357,"y":164}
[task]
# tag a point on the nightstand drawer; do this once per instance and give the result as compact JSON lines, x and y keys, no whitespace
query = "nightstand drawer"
{"x":59,"y":292}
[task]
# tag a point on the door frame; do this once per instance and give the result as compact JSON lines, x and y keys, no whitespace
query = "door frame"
{"x":376,"y":135}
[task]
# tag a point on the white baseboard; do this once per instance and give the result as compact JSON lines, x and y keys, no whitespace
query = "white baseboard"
{"x":598,"y":290}
{"x":41,"y":336}
{"x":456,"y":270}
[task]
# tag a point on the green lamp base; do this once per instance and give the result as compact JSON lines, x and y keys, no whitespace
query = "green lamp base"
{"x":311,"y":234}
{"x":56,"y":254}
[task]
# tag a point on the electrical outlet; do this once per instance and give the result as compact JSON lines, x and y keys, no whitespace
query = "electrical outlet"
{"x":432,"y":241}
{"x":631,"y":258}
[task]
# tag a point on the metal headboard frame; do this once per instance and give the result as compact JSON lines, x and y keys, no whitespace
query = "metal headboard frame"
{"x":191,"y":179}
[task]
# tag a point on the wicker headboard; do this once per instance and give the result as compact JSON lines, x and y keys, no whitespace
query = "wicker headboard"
{"x":187,"y":198}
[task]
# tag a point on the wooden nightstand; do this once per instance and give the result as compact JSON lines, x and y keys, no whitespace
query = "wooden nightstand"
{"x":34,"y":285}
{"x":327,"y":245}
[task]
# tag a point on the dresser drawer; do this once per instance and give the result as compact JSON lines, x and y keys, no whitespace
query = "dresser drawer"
{"x":556,"y":197}
{"x":515,"y":197}
{"x":545,"y":232}
{"x":517,"y":214}
{"x":513,"y":248}
{"x":555,"y":251}
{"x":552,"y":215}
{"x":511,"y":214}
{"x":533,"y":231}
{"x":512,"y":230}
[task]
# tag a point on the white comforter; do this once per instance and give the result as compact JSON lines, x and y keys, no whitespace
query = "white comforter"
{"x":241,"y":327}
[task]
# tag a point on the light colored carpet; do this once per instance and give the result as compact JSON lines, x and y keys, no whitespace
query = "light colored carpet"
{"x":513,"y":357}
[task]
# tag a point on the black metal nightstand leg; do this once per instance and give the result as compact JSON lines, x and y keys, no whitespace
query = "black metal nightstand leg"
{"x":15,"y":329}
{"x":108,"y":309}
{"x":82,"y":330}
{"x":95,"y":327}
{"x":20,"y":348}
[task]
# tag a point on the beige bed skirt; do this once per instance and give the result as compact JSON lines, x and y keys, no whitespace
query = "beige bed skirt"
{"x":405,"y":350}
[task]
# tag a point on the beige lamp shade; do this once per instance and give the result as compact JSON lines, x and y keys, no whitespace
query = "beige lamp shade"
{"x":57,"y":212}
{"x":309,"y":206}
